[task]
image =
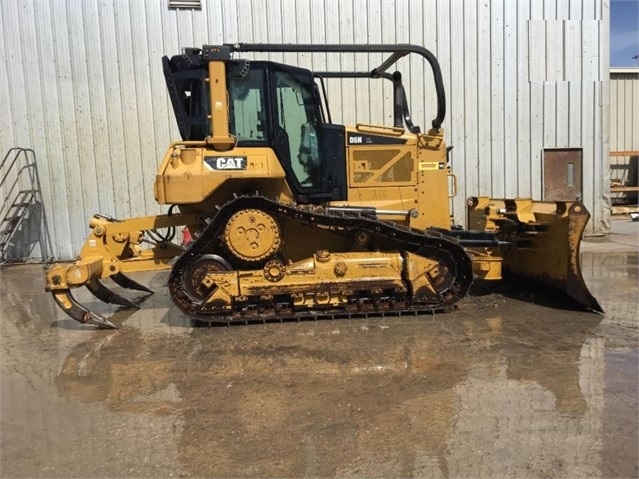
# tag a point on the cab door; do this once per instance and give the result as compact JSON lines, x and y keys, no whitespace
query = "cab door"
{"x":311,"y":153}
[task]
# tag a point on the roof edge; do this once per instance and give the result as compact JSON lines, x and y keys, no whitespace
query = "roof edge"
{"x":625,"y":70}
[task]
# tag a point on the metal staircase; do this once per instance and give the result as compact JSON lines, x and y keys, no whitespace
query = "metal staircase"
{"x":23,"y":224}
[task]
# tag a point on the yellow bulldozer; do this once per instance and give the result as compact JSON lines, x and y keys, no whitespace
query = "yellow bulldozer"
{"x":294,"y":216}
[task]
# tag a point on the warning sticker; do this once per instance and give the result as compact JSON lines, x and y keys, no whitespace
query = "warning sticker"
{"x":431,"y":165}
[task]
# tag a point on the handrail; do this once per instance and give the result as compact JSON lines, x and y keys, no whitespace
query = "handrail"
{"x":16,"y":157}
{"x":4,"y":173}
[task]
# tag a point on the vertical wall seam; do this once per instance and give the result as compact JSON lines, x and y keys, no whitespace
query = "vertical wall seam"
{"x":88,"y":106}
{"x":63,"y":135}
{"x":109,"y":138}
{"x":492,"y":113}
{"x":53,"y":208}
{"x":477,"y":100}
{"x":530,"y":89}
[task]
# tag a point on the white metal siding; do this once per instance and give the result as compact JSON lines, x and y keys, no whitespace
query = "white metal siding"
{"x":624,"y":110}
{"x":82,"y":85}
{"x":624,"y":119}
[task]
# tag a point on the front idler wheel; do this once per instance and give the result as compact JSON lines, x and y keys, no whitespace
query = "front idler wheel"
{"x":194,"y":277}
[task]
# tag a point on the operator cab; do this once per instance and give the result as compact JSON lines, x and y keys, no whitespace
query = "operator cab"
{"x":270,"y":105}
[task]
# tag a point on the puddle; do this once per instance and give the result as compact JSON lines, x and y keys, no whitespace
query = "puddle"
{"x":501,"y":387}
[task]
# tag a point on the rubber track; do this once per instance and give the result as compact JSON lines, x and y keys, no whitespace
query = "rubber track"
{"x":430,"y":245}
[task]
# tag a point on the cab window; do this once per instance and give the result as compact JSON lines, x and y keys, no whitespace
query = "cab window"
{"x":247,"y":105}
{"x":297,"y":120}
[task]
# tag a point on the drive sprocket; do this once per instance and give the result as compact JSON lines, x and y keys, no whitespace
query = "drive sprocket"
{"x":252,"y":235}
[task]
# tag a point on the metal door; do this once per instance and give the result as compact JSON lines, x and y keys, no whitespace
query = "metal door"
{"x":562,"y":174}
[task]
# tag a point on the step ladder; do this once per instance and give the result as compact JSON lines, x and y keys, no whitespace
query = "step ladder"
{"x":20,"y":186}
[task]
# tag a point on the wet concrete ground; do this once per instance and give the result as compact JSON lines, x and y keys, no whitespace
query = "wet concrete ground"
{"x":503,"y":387}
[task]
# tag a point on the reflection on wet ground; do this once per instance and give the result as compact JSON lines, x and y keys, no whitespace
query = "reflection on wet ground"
{"x":501,"y":387}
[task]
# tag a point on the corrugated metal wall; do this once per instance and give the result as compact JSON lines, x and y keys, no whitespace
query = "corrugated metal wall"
{"x":624,"y":123}
{"x":82,"y":85}
{"x":624,"y":109}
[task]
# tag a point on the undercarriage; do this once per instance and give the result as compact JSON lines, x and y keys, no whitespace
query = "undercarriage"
{"x":372,"y":266}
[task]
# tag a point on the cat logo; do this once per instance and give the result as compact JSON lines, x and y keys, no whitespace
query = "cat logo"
{"x":226,"y":162}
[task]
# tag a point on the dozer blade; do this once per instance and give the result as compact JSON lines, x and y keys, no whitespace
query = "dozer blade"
{"x":575,"y":285}
{"x":544,"y":240}
{"x":105,"y":294}
{"x":75,"y":310}
{"x":128,"y":283}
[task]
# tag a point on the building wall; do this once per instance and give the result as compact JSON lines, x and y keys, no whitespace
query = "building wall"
{"x":83,"y":86}
{"x":624,"y":121}
{"x":624,"y":109}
